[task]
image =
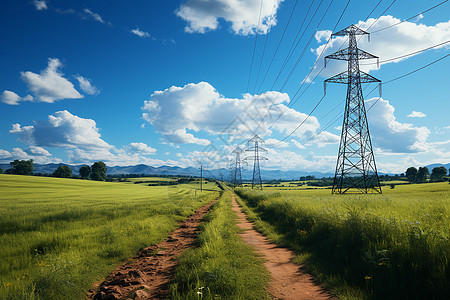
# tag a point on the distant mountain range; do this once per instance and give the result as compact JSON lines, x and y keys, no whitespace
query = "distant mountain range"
{"x":178,"y":171}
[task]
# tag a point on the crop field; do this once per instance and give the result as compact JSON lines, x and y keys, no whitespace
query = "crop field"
{"x":59,"y":236}
{"x":394,"y":245}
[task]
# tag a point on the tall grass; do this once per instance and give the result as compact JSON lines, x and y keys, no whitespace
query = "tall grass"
{"x":223,"y":266}
{"x":390,"y":246}
{"x":59,"y":236}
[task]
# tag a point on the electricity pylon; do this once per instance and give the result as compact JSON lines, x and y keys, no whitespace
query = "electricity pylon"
{"x":237,"y":173}
{"x":356,"y":171}
{"x":255,"y":147}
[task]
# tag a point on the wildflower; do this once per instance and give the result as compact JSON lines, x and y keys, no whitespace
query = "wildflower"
{"x":367,"y":278}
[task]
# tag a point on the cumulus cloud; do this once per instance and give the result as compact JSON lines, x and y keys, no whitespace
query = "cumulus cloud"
{"x":40,"y":4}
{"x":396,"y":41}
{"x":390,"y":135}
{"x":325,"y":138}
{"x":141,"y":148}
{"x":178,"y":113}
{"x":416,"y":114}
{"x":86,"y":85}
{"x":39,"y":151}
{"x":117,"y":157}
{"x":203,"y":16}
{"x":4,"y":154}
{"x":288,"y":160}
{"x":12,"y":98}
{"x":276,"y":143}
{"x":40,"y":157}
{"x":140,"y":33}
{"x":50,"y":85}
{"x":297,"y":144}
{"x":62,"y":129}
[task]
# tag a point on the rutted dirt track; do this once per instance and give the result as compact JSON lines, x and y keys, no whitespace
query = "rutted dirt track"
{"x":288,"y":281}
{"x":147,"y":275}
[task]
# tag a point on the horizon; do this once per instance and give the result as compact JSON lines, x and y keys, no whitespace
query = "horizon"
{"x":180,"y":84}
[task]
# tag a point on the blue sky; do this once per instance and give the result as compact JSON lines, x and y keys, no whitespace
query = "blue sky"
{"x":166,"y":82}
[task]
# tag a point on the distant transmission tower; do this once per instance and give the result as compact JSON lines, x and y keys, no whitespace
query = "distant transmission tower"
{"x":255,"y":148}
{"x":356,"y":171}
{"x":237,"y":173}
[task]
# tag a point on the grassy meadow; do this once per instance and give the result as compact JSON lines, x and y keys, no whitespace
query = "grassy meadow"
{"x":390,"y":246}
{"x":223,"y":266}
{"x":59,"y":236}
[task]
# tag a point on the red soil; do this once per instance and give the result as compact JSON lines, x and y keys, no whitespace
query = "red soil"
{"x":288,"y":281}
{"x":147,"y":275}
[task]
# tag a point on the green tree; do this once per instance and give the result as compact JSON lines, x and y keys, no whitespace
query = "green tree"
{"x":22,"y":167}
{"x":411,"y":174}
{"x":63,"y":172}
{"x":438,"y":173}
{"x":1,"y":171}
{"x":98,"y":171}
{"x":423,"y":174}
{"x":85,"y":172}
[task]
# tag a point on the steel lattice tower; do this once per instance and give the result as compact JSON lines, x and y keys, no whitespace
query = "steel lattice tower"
{"x":255,"y":147}
{"x":356,"y":171}
{"x":236,"y":171}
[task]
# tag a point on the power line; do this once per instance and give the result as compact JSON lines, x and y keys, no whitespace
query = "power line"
{"x":290,"y":53}
{"x":373,"y":104}
{"x":254,"y":45}
{"x":264,"y":51}
{"x":387,"y":8}
{"x":278,"y":46}
{"x":412,"y":72}
{"x":409,"y":54}
{"x":315,"y":63}
{"x":427,"y":10}
{"x":310,"y":40}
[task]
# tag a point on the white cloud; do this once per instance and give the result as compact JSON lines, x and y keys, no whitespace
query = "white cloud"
{"x":39,"y":158}
{"x":141,"y":148}
{"x":40,"y":4}
{"x":396,"y":41}
{"x":39,"y":151}
{"x":276,"y":143}
{"x":62,"y":129}
{"x":297,"y":144}
{"x":140,"y":33}
{"x":93,"y":15}
{"x":116,"y":157}
{"x":4,"y":154}
{"x":389,"y":134}
{"x":86,"y":85}
{"x":288,"y":160}
{"x":199,"y":107}
{"x":50,"y":85}
{"x":12,"y":98}
{"x":416,"y":114}
{"x":325,"y":138}
{"x":442,"y":130}
{"x":243,"y":15}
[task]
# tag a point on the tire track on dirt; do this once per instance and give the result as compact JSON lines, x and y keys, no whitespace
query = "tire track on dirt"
{"x":288,"y":281}
{"x":147,"y":275}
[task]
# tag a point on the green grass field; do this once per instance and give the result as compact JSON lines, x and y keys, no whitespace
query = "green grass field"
{"x":394,"y":245}
{"x":223,"y":266}
{"x":59,"y":236}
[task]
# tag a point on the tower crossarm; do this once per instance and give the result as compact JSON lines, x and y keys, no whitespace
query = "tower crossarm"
{"x":350,"y":30}
{"x":366,"y":78}
{"x":345,"y":78}
{"x":345,"y":54}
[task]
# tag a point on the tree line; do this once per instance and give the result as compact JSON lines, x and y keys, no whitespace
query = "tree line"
{"x":26,"y":167}
{"x":422,"y":174}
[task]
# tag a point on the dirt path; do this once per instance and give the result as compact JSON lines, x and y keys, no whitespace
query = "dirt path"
{"x":288,"y":281}
{"x":147,"y":275}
